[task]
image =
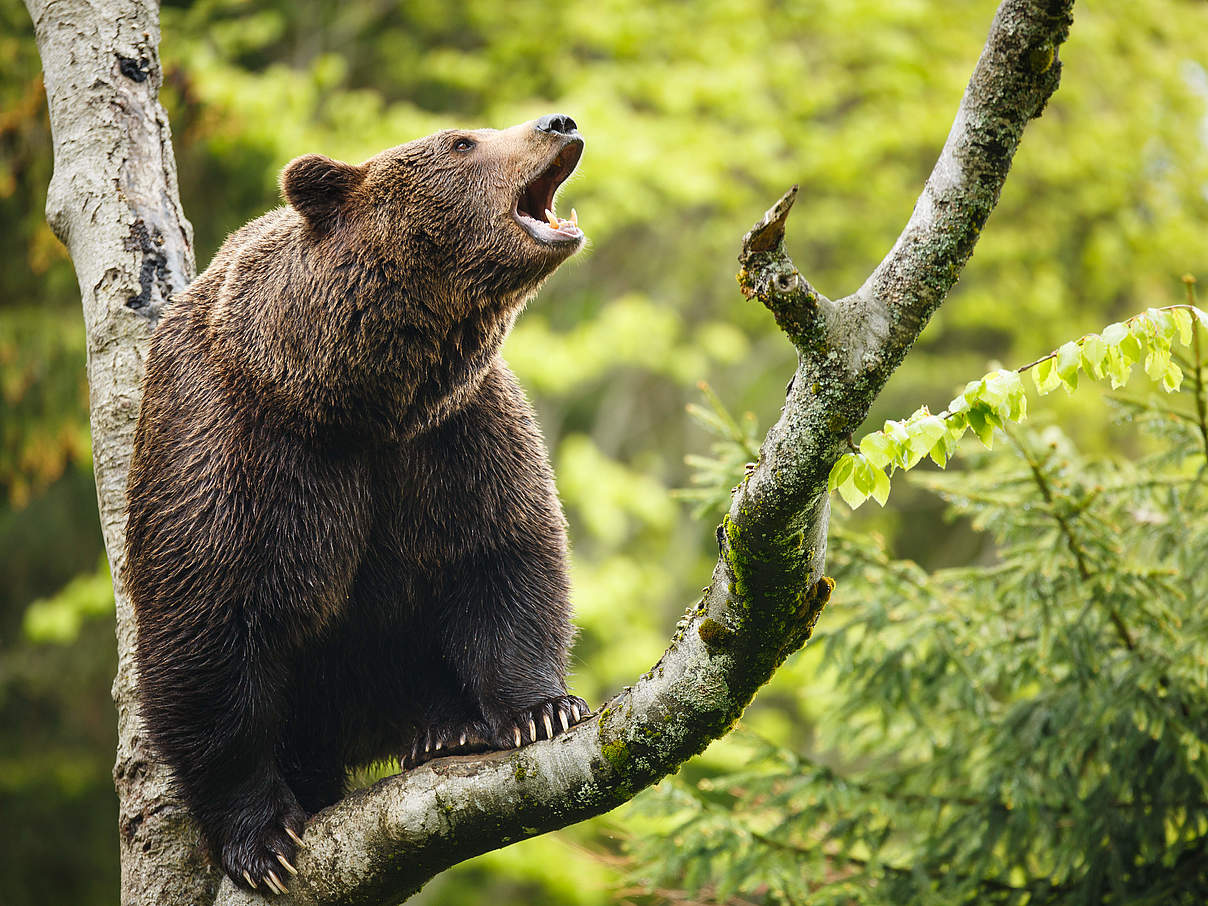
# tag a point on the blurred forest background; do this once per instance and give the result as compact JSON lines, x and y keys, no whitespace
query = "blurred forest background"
{"x":696,"y":116}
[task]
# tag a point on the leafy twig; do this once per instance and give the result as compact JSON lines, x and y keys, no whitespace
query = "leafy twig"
{"x":999,"y":397}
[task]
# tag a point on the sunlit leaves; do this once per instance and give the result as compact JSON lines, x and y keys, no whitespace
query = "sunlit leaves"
{"x":858,"y":478}
{"x":998,"y":398}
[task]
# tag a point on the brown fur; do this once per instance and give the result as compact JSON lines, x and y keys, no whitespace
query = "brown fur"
{"x":344,"y":542}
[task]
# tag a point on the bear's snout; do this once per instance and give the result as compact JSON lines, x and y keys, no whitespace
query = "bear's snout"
{"x":556,"y":122}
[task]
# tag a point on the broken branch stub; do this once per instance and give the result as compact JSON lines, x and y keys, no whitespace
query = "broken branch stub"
{"x":767,"y":273}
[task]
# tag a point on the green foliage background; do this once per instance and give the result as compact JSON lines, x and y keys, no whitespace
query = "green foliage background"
{"x":697,"y":116}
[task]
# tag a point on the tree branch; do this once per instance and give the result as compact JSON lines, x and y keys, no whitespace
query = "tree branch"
{"x":114,"y":202}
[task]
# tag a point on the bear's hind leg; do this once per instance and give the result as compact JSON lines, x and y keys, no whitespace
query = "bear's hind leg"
{"x":322,"y":726}
{"x":228,"y":604}
{"x":273,"y":822}
{"x":209,"y":725}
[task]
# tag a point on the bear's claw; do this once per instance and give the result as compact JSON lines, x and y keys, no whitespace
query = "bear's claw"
{"x":439,"y":741}
{"x":555,"y":716}
{"x":275,"y":883}
{"x":251,"y":859}
{"x":569,"y":709}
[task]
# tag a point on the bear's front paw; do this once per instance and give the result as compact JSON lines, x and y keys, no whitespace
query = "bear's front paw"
{"x":543,"y":721}
{"x":449,"y":739}
{"x":260,"y":852}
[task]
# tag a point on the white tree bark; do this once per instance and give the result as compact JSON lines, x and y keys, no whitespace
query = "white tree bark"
{"x":114,"y":202}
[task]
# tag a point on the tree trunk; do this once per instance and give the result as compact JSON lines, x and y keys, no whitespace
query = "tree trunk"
{"x":114,"y":202}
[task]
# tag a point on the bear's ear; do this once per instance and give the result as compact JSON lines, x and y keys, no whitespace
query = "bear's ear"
{"x":318,"y":186}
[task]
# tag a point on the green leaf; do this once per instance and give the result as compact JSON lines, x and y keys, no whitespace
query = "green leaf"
{"x":1045,"y":376}
{"x":947,"y":444}
{"x":979,"y":421}
{"x":878,"y":449}
{"x":1156,"y":362}
{"x":973,"y":391}
{"x":1131,"y":347}
{"x":896,"y":431}
{"x":1113,"y":333}
{"x":997,"y":387}
{"x":1094,"y":354}
{"x":880,"y":490}
{"x":1117,"y":368}
{"x":914,"y":452}
{"x":841,"y":471}
{"x":863,"y":476}
{"x":1163,"y":325}
{"x":940,"y":452}
{"x":926,"y":431}
{"x":899,"y":439}
{"x":851,"y":496}
{"x":1019,"y":406}
{"x":1068,"y":357}
{"x":922,"y":429}
{"x":1183,"y":323}
{"x":1173,"y":377}
{"x":1002,"y":392}
{"x":859,"y":484}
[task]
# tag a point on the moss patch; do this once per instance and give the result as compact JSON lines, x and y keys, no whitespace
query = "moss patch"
{"x":1041,"y":58}
{"x":715,"y":634}
{"x":617,"y":754}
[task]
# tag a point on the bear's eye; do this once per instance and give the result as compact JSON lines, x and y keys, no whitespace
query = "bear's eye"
{"x":463,"y":144}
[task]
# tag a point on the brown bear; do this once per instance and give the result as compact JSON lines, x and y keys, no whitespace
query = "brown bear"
{"x":343,"y":541}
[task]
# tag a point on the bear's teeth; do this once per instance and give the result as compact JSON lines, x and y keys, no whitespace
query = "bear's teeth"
{"x":558,"y":223}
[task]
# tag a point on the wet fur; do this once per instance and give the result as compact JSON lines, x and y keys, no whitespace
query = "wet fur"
{"x":344,"y":543}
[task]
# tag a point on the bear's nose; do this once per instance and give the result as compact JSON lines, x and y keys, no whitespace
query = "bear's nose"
{"x":556,"y":122}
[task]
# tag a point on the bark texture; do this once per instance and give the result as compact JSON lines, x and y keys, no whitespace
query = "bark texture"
{"x":114,"y":203}
{"x":113,"y":200}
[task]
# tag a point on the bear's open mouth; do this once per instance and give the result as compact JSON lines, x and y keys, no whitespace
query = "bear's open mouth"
{"x":534,"y":209}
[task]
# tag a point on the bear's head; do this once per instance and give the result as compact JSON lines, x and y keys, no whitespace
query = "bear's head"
{"x":462,"y":213}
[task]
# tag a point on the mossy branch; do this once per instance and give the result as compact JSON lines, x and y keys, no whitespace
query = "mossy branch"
{"x":115,"y":201}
